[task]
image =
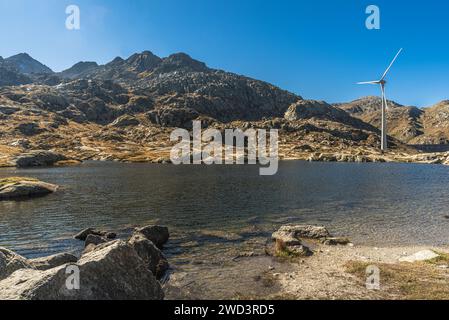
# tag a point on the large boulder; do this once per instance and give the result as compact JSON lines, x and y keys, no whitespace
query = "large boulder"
{"x":113,"y":271}
{"x":50,"y":262}
{"x":38,"y":158}
{"x":17,"y":187}
{"x":10,"y":262}
{"x":157,"y":234}
{"x":153,"y":257}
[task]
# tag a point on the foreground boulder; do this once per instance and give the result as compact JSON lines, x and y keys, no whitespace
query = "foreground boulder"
{"x":18,"y":187}
{"x":10,"y":262}
{"x":150,"y":254}
{"x":82,"y":235}
{"x":113,"y":271}
{"x":157,"y":234}
{"x":38,"y":158}
{"x":53,"y":261}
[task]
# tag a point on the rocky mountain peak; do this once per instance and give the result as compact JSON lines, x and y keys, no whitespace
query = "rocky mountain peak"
{"x":144,"y":61}
{"x":25,"y":64}
{"x":182,"y":62}
{"x":79,"y":70}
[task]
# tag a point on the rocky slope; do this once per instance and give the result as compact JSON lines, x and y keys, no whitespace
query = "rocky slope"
{"x":412,"y":125}
{"x":125,"y":110}
{"x":9,"y":76}
{"x":404,"y":123}
{"x":27,"y":65}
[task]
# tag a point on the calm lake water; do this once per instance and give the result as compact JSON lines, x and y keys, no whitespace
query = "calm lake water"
{"x":210,"y":209}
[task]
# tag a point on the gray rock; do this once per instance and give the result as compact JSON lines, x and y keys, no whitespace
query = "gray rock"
{"x":153,"y":257}
{"x":8,"y":110}
{"x":304,"y":231}
{"x":424,"y":255}
{"x":113,"y":271}
{"x":22,"y":188}
{"x":29,"y":129}
{"x":95,"y":240}
{"x":82,"y":235}
{"x":157,"y":234}
{"x":336,"y":241}
{"x":10,"y":262}
{"x":53,"y":261}
{"x":38,"y":159}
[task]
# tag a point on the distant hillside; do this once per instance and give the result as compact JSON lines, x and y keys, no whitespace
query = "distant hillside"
{"x":25,"y":64}
{"x":404,"y":123}
{"x":9,"y":76}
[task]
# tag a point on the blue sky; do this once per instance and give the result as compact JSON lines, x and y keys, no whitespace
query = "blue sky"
{"x":317,"y":49}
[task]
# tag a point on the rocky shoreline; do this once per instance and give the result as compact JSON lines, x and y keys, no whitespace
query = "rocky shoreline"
{"x":108,"y":269}
{"x":300,"y":262}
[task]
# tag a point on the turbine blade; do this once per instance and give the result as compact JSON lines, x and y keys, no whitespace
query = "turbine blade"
{"x":391,"y":64}
{"x":369,"y":82}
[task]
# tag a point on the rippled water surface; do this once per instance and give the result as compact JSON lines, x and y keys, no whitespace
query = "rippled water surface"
{"x":225,"y":208}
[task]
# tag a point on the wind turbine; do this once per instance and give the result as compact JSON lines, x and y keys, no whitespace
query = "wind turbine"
{"x":382,"y":82}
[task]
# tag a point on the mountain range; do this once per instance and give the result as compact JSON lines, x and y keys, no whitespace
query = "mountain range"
{"x":89,"y":108}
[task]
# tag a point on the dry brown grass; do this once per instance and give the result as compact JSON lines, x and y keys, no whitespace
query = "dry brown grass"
{"x":410,"y":281}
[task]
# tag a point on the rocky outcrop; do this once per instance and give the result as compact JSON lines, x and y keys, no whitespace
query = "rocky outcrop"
{"x":289,"y":239}
{"x":29,"y":128}
{"x":112,"y":271}
{"x":159,"y":235}
{"x":12,"y":188}
{"x":38,"y":158}
{"x":10,"y":262}
{"x":150,"y":254}
{"x":50,"y":262}
{"x":125,"y":121}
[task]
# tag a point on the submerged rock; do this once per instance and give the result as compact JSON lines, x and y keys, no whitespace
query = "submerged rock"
{"x":53,"y":261}
{"x":157,"y":234}
{"x":17,"y":187}
{"x":82,"y":235}
{"x":113,"y":271}
{"x":10,"y":262}
{"x":150,"y":254}
{"x":38,"y":158}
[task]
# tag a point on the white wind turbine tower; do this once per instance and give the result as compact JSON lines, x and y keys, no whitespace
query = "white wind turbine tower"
{"x":382,"y":82}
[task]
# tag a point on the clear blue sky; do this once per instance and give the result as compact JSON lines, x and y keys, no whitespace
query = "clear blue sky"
{"x":317,"y":49}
